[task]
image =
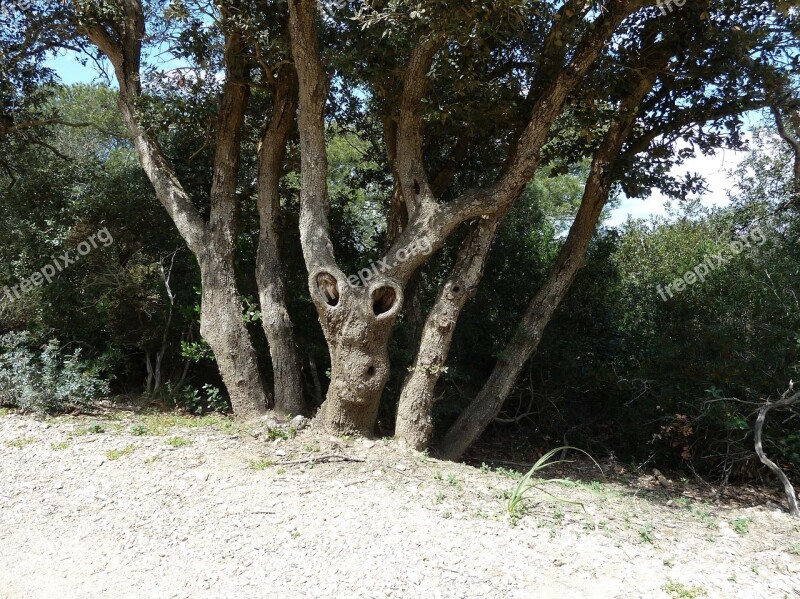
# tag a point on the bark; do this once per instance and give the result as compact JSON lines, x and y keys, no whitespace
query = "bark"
{"x":788,"y":489}
{"x":791,"y":135}
{"x":357,"y":321}
{"x":275,"y":318}
{"x":414,"y":412}
{"x":223,"y":328}
{"x":211,"y":243}
{"x":489,"y":401}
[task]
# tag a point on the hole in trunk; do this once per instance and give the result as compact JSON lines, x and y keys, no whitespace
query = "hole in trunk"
{"x":370,"y":371}
{"x":456,"y":288}
{"x":383,"y":299}
{"x":328,"y":291}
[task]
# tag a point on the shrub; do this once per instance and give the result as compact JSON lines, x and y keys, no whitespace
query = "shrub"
{"x":47,"y":381}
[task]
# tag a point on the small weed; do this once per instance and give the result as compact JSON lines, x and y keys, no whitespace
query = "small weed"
{"x":95,"y":429}
{"x":706,"y":519}
{"x":140,"y":430}
{"x":313,"y":448}
{"x":178,"y":442}
{"x":520,"y":494}
{"x":646,"y":533}
{"x":260,"y":464}
{"x":280,"y":433}
{"x":21,"y":442}
{"x":681,"y":591}
{"x":795,"y":549}
{"x":440,"y":497}
{"x":59,"y":446}
{"x":437,"y":475}
{"x":281,"y":471}
{"x":485,"y":467}
{"x":447,"y":515}
{"x":453,"y":481}
{"x":514,"y":474}
{"x":558,"y":516}
{"x":596,"y":486}
{"x":116,"y":454}
{"x":4,"y":412}
{"x":742,"y":525}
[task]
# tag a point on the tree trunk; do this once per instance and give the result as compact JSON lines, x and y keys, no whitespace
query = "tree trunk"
{"x":275,"y":320}
{"x":357,"y":322}
{"x":788,"y":489}
{"x":223,"y":328}
{"x":414,"y":412}
{"x":488,"y":403}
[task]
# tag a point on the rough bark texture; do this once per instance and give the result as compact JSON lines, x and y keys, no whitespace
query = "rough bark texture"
{"x":414,"y":413}
{"x":357,"y":321}
{"x":489,"y":401}
{"x":222,"y":327}
{"x":289,"y":398}
{"x":212,"y":243}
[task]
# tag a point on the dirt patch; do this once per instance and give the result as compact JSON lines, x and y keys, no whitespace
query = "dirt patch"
{"x":129,"y":505}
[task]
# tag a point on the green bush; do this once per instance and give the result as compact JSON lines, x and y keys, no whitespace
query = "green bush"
{"x":48,"y":380}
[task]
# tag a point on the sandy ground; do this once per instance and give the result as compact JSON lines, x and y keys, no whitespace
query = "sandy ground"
{"x":128,"y":505}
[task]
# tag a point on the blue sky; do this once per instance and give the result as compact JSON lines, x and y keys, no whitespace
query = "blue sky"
{"x":716,"y":169}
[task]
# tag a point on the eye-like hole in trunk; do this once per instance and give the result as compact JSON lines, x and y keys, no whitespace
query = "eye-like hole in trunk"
{"x":328,"y":291}
{"x":370,"y":372}
{"x":456,"y":288}
{"x":383,"y":299}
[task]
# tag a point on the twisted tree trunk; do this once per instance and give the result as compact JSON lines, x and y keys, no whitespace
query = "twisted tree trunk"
{"x":788,"y":489}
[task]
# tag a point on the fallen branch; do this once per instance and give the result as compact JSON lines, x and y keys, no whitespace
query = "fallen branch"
{"x":784,"y":401}
{"x":325,"y":459}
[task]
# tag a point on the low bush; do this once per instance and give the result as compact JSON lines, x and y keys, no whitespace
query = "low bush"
{"x":47,"y":380}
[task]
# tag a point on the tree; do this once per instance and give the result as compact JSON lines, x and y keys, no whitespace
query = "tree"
{"x":462,"y":104}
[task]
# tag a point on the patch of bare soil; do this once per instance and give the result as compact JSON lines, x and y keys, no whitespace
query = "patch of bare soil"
{"x":138,"y":505}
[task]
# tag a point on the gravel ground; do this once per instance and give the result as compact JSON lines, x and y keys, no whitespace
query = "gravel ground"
{"x":147,"y":506}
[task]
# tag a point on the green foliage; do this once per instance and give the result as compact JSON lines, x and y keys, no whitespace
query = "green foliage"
{"x":194,"y":401}
{"x":646,"y":533}
{"x":177,"y":442}
{"x":742,"y":525}
{"x":48,"y":380}
{"x":679,"y":590}
{"x":118,"y":454}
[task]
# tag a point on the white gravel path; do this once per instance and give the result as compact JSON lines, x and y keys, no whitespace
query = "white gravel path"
{"x":201,"y":520}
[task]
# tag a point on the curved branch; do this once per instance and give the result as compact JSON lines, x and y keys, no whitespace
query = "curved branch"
{"x":788,"y":489}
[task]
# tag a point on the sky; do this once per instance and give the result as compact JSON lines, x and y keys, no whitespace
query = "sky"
{"x":715,"y":169}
